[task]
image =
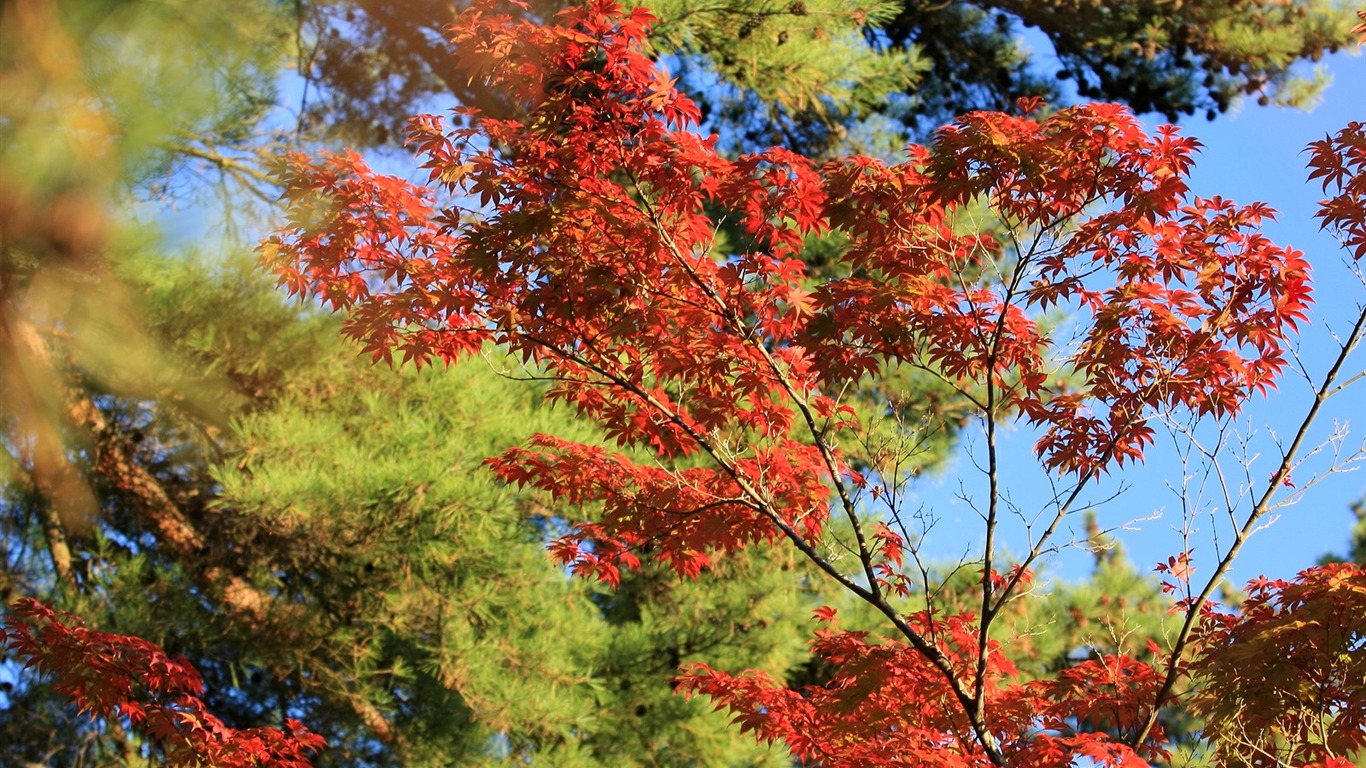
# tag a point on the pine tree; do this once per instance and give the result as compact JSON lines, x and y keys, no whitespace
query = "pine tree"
{"x":1170,"y":58}
{"x":356,"y":565}
{"x":819,"y":73}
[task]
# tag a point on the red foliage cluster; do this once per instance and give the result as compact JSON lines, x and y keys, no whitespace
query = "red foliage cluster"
{"x":887,"y":706}
{"x":1340,"y":160}
{"x":1283,"y":680}
{"x":116,"y":676}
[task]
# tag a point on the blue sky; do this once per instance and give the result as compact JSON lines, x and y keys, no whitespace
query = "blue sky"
{"x":1253,"y":154}
{"x":1258,"y":155}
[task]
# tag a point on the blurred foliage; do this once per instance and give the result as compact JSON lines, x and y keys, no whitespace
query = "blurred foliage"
{"x":78,"y":128}
{"x":1356,"y":541}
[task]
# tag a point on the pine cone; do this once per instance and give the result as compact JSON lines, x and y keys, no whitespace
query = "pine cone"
{"x":751,"y":24}
{"x":798,"y":8}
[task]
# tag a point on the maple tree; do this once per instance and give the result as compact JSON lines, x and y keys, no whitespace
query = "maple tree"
{"x":579,"y":240}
